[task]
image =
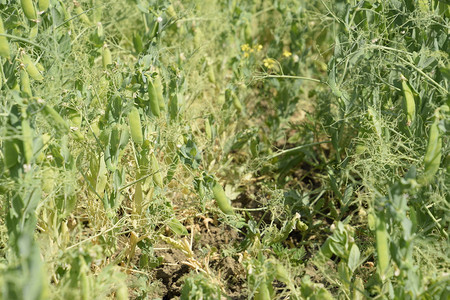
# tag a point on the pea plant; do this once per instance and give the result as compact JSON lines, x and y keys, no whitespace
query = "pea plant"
{"x":159,"y":149}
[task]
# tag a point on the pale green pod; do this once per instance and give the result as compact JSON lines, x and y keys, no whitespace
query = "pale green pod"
{"x":34,"y":30}
{"x":43,"y":5}
{"x":48,"y":180}
{"x":222,"y":200}
{"x":55,"y":119}
{"x":173,"y":106}
{"x":10,"y":153}
{"x":159,"y":93}
{"x":31,"y":68}
{"x":236,"y":102}
{"x":208,"y":130}
{"x":409,"y":105}
{"x":122,"y":292}
{"x":198,"y":36}
{"x":382,"y":240}
{"x":80,"y":12}
{"x":4,"y":46}
{"x":358,"y":289}
{"x":106,"y":56}
{"x":281,"y":273}
{"x":66,"y":14}
{"x":263,"y":292}
{"x":371,"y":221}
{"x":154,"y":30}
{"x":176,"y":226}
{"x":137,"y":43}
{"x":157,"y":177}
{"x":102,"y":177}
{"x":25,"y":86}
{"x":433,"y":153}
{"x":28,"y":9}
{"x":153,"y":98}
{"x":27,"y":140}
{"x":360,"y":149}
{"x":211,"y":75}
{"x":373,"y":115}
{"x":171,"y":11}
{"x":138,"y":198}
{"x":85,"y":289}
{"x":248,"y":32}
{"x":40,"y":67}
{"x":135,"y":126}
{"x":100,"y":32}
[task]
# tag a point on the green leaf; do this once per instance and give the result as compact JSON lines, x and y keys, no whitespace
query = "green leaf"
{"x":176,"y":226}
{"x":353,"y":259}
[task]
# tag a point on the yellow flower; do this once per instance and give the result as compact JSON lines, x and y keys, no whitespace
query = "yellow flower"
{"x":286,"y":53}
{"x":245,"y":47}
{"x":258,"y":48}
{"x":269,"y":63}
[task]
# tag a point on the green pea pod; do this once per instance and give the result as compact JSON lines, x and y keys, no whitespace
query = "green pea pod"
{"x":10,"y":153}
{"x":171,"y":11}
{"x":122,"y":292}
{"x":48,"y":180}
{"x":373,"y":115}
{"x":28,"y":9}
{"x":43,"y":5}
{"x":154,"y":30}
{"x":84,"y":280}
{"x":102,"y":177}
{"x":27,"y":140}
{"x":236,"y":102}
{"x":66,"y":14}
{"x":382,"y":240}
{"x":34,"y":30}
{"x":55,"y":119}
{"x":159,"y":93}
{"x":135,"y":126}
{"x":263,"y":291}
{"x":153,"y":98}
{"x":222,"y":200}
{"x":211,"y":75}
{"x":25,"y":83}
{"x":173,"y":106}
{"x":138,"y":198}
{"x":157,"y":177}
{"x":433,"y":154}
{"x":80,"y":12}
{"x":4,"y":46}
{"x":177,"y":227}
{"x":409,"y":105}
{"x":281,"y":273}
{"x":208,"y":130}
{"x":31,"y":68}
{"x":106,"y":56}
{"x":137,"y":43}
{"x":358,"y":289}
{"x":371,"y":221}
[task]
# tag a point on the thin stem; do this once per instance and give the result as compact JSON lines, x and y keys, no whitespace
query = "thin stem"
{"x":296,"y":149}
{"x":292,"y":77}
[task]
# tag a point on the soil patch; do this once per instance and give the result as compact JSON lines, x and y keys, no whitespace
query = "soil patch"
{"x":209,"y":245}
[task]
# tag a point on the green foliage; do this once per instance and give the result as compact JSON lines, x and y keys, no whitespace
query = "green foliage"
{"x":280,"y":149}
